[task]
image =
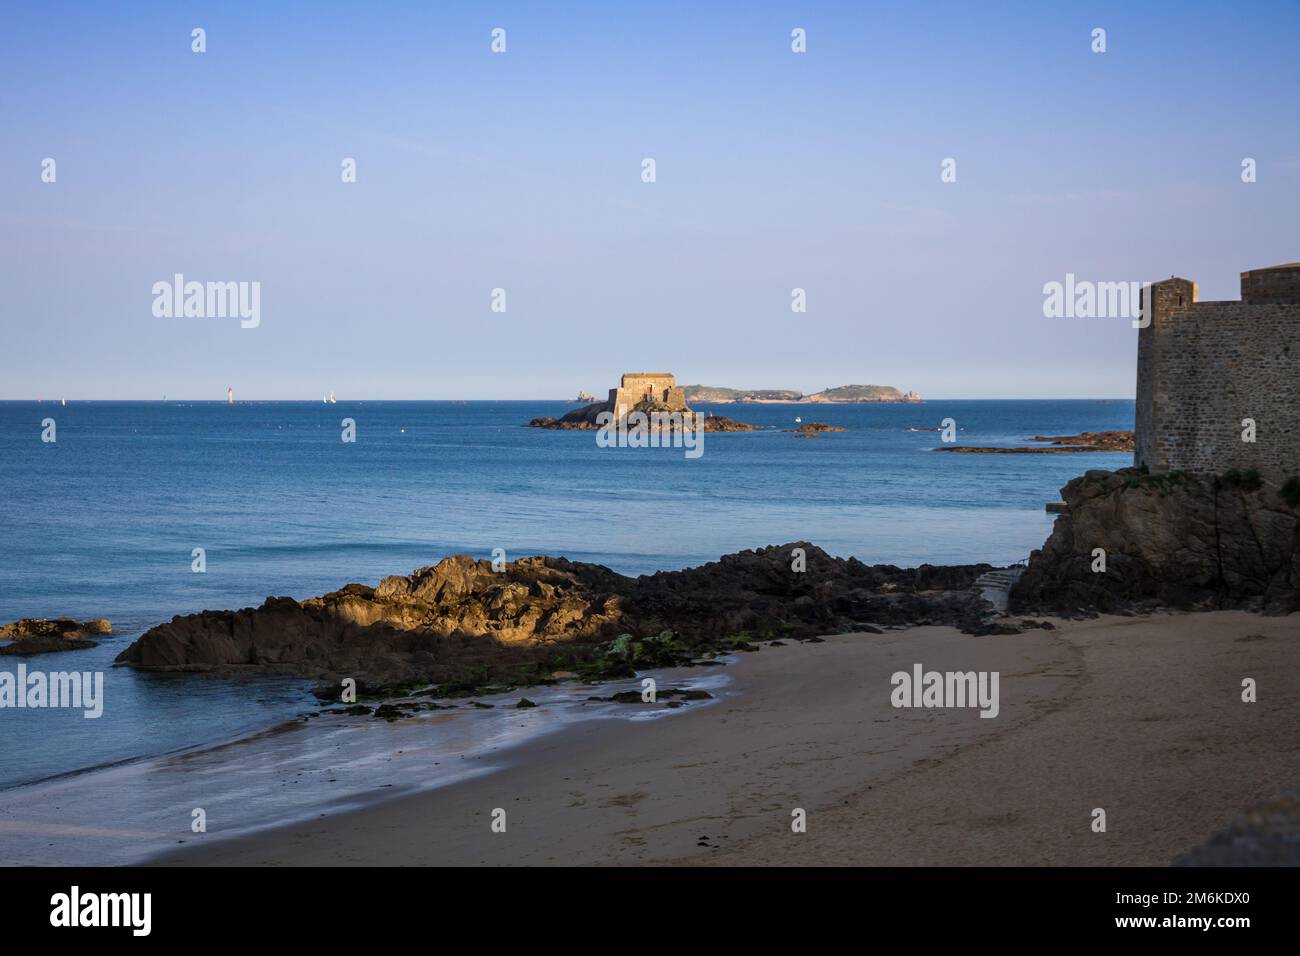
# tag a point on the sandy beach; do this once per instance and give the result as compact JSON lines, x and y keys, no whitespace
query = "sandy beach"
{"x":1142,"y":717}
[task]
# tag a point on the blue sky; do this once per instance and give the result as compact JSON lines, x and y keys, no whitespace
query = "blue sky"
{"x":522,"y":171}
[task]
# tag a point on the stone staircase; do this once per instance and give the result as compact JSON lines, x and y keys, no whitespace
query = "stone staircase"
{"x":995,"y":586}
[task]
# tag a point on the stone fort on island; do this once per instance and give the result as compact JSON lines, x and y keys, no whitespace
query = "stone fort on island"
{"x":1205,"y":368}
{"x":634,"y":387}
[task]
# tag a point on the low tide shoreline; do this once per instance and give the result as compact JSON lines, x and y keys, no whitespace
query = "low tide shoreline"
{"x":280,"y":775}
{"x":1140,"y":716}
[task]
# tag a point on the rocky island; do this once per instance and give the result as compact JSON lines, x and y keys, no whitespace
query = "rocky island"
{"x":645,"y":392}
{"x":850,"y":394}
{"x":814,"y":429}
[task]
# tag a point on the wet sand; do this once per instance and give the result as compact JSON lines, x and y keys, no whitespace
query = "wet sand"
{"x":1142,"y":717}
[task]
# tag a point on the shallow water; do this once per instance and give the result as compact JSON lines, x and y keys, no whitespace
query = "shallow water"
{"x":295,"y":771}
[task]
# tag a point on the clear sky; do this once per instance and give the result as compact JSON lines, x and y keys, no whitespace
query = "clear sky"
{"x":522,"y":171}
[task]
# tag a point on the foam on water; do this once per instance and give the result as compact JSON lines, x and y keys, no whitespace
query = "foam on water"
{"x":296,"y":771}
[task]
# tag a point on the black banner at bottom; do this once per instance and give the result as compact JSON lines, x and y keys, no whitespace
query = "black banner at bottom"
{"x":215,"y":905}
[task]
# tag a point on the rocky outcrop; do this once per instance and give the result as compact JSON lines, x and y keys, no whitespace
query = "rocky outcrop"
{"x":720,"y":423}
{"x":434,"y":624}
{"x":460,"y":620}
{"x":813,"y":429}
{"x":1169,"y":539}
{"x":587,"y":418}
{"x":37,"y":635}
{"x":1093,"y":441}
{"x":1087,"y":441}
{"x":758,"y":592}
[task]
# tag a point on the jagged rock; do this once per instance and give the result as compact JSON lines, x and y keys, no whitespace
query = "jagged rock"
{"x":405,"y":627}
{"x":459,"y":621}
{"x":1169,"y":538}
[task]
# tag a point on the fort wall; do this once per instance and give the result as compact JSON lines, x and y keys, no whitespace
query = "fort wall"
{"x":1206,"y":367}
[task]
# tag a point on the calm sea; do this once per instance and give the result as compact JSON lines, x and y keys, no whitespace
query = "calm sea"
{"x":103,"y":522}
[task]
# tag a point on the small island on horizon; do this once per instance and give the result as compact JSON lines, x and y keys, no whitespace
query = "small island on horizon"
{"x":848,"y":394}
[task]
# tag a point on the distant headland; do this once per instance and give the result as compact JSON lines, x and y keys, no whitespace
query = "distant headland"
{"x":844,"y":393}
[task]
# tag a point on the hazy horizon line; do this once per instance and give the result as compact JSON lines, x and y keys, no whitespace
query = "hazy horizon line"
{"x":566,"y":401}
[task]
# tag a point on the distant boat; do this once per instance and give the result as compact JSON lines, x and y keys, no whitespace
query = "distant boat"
{"x":332,"y":399}
{"x":230,"y":395}
{"x":63,"y":401}
{"x":797,"y":419}
{"x":324,"y":400}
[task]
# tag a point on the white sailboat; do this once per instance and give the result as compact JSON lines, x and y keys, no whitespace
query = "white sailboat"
{"x":230,"y":395}
{"x":333,"y":400}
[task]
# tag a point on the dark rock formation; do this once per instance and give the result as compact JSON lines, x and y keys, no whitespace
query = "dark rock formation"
{"x":758,"y":593}
{"x":720,"y":423}
{"x":460,"y":621}
{"x":813,"y":429}
{"x":1087,"y":441}
{"x":1170,"y":539}
{"x":1093,"y":441}
{"x":35,"y":635}
{"x":438,"y":623}
{"x":45,"y":645}
{"x":586,"y":418}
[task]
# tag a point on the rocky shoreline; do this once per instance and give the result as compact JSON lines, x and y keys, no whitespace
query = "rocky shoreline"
{"x":1170,"y":541}
{"x":462,"y":624}
{"x":1059,"y":444}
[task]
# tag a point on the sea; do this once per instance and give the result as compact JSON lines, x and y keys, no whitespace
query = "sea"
{"x":111,"y":517}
